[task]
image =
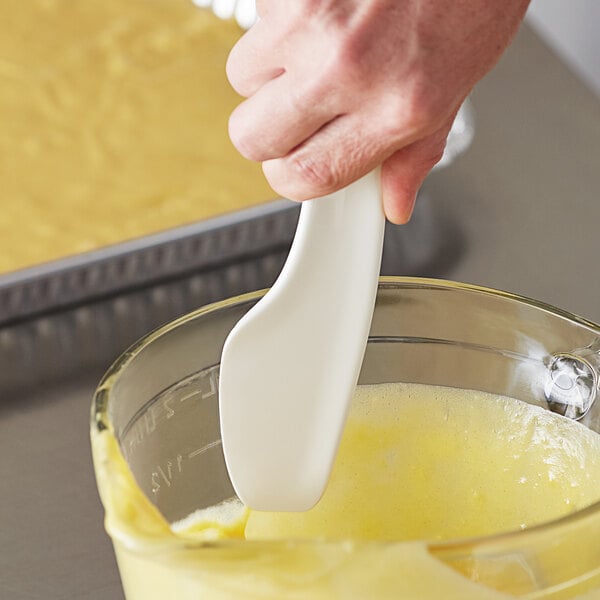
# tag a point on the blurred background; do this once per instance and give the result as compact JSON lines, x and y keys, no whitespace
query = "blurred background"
{"x":124,"y":205}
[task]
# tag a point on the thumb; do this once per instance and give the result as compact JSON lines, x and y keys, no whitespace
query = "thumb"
{"x":404,"y":171}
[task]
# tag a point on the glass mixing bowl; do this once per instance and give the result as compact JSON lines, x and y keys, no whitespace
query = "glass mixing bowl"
{"x":157,"y":453}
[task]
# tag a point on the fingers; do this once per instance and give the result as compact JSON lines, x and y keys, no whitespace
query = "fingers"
{"x":345,"y":149}
{"x":320,"y":153}
{"x":277,"y":119}
{"x":402,"y":174}
{"x":350,"y":146}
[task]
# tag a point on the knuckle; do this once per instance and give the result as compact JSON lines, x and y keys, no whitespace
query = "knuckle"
{"x":415,"y":112}
{"x":241,"y":67}
{"x":233,"y":72}
{"x":396,"y":118}
{"x":243,"y":138}
{"x":317,"y":176}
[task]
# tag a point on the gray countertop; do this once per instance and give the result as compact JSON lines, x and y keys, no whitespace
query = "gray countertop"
{"x":520,"y":212}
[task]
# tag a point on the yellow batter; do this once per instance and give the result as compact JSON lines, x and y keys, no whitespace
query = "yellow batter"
{"x":415,"y":463}
{"x":437,"y":463}
{"x":114,"y":124}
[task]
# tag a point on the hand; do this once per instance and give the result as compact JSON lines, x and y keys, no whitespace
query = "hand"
{"x":337,"y":87}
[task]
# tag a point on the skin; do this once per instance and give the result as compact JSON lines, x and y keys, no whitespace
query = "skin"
{"x":334,"y":88}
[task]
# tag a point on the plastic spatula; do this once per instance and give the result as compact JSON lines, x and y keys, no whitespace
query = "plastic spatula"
{"x":290,"y":365}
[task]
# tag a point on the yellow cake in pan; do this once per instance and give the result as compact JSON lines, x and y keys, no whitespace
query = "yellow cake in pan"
{"x":114,"y":124}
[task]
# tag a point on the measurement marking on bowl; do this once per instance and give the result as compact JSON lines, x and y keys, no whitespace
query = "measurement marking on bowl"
{"x":191,"y":395}
{"x":167,"y":405}
{"x":204,"y":449}
{"x":166,"y":475}
{"x":212,"y":377}
{"x":168,"y":408}
{"x":167,"y":471}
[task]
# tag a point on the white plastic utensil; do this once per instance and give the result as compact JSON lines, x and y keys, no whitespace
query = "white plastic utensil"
{"x":290,"y":365}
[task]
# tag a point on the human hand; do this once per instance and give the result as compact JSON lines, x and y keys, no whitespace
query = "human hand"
{"x":337,"y":87}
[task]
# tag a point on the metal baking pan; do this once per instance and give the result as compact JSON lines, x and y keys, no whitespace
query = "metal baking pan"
{"x":205,"y":245}
{"x":197,"y":247}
